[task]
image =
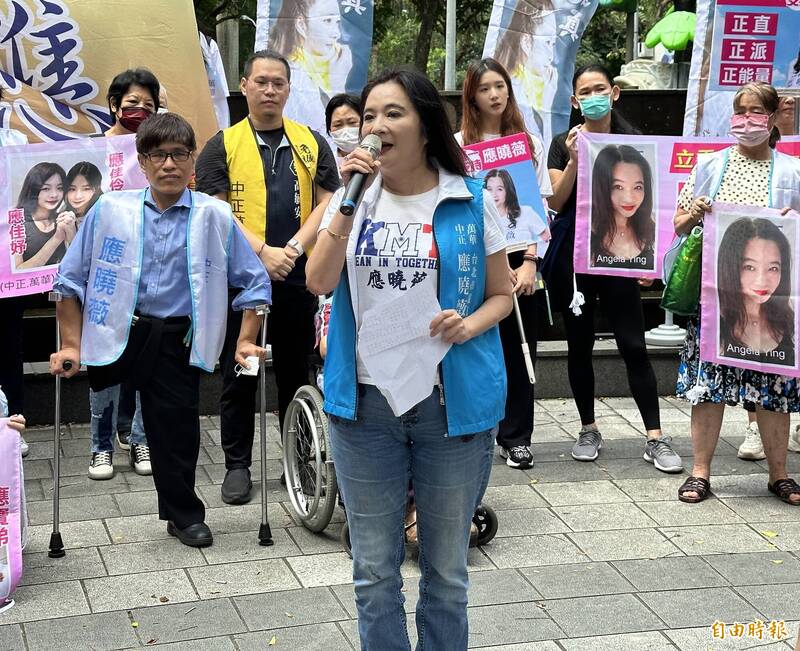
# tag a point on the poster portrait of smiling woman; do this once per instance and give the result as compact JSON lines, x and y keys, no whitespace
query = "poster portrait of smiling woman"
{"x":750,"y":286}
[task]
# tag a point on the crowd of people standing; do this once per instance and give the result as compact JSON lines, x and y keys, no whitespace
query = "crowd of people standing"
{"x":195,"y":263}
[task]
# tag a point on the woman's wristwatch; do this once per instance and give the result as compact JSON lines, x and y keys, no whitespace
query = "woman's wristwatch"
{"x":296,"y":245}
{"x":529,"y":257}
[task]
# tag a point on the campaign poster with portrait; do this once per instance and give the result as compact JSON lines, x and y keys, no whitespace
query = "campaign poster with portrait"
{"x":749,"y":289}
{"x":736,"y":42}
{"x":624,"y":245}
{"x":57,"y":59}
{"x":537,"y":41}
{"x":327,"y":43}
{"x":506,"y":167}
{"x":46,"y":190}
{"x":11,"y":511}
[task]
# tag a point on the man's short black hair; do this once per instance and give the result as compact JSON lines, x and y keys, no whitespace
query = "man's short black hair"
{"x":162,"y":128}
{"x":342,"y":99}
{"x":265,"y":54}
{"x":124,"y":80}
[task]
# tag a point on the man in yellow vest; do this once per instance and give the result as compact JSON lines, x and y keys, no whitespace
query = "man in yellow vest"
{"x":278,"y":176}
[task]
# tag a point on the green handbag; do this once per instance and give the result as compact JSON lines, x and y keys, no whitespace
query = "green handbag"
{"x":682,"y":290}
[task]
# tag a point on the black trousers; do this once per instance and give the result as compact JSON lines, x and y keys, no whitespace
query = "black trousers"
{"x":171,"y":414}
{"x":516,"y":428}
{"x":126,"y":408}
{"x":622,"y":304}
{"x":290,"y":331}
{"x":11,"y":373}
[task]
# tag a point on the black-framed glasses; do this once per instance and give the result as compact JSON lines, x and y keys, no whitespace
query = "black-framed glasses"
{"x":160,"y":157}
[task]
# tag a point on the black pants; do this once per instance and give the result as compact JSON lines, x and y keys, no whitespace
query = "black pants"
{"x":622,"y":304}
{"x":171,"y":414}
{"x":516,"y":428}
{"x":126,"y":408}
{"x":290,"y":331}
{"x":11,"y":373}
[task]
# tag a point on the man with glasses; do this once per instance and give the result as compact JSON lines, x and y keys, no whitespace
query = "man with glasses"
{"x":278,"y":176}
{"x":145,"y":280}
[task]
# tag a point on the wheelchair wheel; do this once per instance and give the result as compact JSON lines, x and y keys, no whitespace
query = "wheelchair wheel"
{"x":486,"y":520}
{"x":310,"y":475}
{"x":344,"y":538}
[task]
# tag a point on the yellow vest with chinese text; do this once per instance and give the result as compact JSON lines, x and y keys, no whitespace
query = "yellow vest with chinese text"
{"x":248,"y":179}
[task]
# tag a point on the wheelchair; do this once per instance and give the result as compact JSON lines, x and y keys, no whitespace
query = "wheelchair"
{"x":311,"y":476}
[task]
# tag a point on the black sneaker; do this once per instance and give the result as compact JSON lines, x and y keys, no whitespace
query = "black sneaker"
{"x":124,"y":440}
{"x":520,"y":456}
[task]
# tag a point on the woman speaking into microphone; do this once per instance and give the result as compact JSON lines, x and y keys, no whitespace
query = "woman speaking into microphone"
{"x":425,"y":228}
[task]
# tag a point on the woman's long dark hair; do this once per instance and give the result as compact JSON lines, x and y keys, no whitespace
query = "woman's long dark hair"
{"x":442,"y":147}
{"x":511,"y":121}
{"x":526,"y":17}
{"x":618,"y":123}
{"x":604,"y":226}
{"x":512,"y":201}
{"x":34,"y":180}
{"x":283,"y":36}
{"x":93,"y":177}
{"x":778,"y":310}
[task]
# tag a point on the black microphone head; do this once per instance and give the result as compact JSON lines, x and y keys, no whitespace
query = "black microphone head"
{"x":372,"y":144}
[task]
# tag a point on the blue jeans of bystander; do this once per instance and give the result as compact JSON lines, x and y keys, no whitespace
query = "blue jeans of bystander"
{"x":104,"y":405}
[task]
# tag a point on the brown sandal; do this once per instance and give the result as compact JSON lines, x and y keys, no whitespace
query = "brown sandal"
{"x":784,"y":489}
{"x":695,"y":485}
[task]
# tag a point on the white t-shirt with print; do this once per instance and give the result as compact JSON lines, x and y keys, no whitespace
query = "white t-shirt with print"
{"x":396,"y":251}
{"x":527,"y":228}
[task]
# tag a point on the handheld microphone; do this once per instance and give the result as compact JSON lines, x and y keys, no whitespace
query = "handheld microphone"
{"x":357,"y":184}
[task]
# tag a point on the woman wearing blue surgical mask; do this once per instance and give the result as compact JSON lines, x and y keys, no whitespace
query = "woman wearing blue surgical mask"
{"x":594,"y":94}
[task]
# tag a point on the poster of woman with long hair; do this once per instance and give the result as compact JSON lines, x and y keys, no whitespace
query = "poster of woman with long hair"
{"x":536,"y":41}
{"x":327,"y":44}
{"x":749,"y":289}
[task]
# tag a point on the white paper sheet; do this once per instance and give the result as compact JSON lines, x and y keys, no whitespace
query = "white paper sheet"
{"x":395,"y":345}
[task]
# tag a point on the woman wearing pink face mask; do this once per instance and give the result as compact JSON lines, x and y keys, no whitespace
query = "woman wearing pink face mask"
{"x":132,"y":98}
{"x":750,"y":173}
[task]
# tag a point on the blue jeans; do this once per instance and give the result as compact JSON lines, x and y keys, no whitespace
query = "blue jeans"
{"x":104,"y":405}
{"x":375,"y":456}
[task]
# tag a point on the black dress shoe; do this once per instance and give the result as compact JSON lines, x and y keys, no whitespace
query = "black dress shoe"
{"x":195,"y":535}
{"x":236,"y":487}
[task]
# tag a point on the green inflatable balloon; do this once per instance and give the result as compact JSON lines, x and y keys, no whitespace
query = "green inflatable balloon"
{"x":674,"y":31}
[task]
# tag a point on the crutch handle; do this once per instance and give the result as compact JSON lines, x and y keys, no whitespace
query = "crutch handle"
{"x":67,"y":365}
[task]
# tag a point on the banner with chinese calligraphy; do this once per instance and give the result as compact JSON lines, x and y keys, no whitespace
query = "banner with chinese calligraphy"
{"x":45,"y":191}
{"x":57,"y":59}
{"x":627,"y":195}
{"x":506,"y":167}
{"x":11,"y":511}
{"x":738,"y":41}
{"x":536,"y":41}
{"x":749,"y":291}
{"x":327,"y":43}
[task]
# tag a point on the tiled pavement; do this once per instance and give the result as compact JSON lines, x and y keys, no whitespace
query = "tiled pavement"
{"x":589,"y":556}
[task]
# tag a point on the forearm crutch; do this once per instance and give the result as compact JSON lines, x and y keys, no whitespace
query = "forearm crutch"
{"x":56,"y":544}
{"x":264,"y":531}
{"x":526,"y":351}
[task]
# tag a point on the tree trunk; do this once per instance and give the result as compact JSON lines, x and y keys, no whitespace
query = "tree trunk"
{"x":427,"y":10}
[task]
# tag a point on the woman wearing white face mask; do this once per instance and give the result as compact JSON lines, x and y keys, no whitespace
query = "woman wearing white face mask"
{"x":343,"y":123}
{"x":750,"y":173}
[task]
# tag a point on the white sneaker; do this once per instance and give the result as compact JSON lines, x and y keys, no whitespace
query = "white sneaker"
{"x":752,"y":448}
{"x":101,"y":466}
{"x":140,"y":459}
{"x":794,"y":440}
{"x":24,"y":448}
